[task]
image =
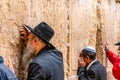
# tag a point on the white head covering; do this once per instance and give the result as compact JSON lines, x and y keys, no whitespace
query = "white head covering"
{"x":90,"y":49}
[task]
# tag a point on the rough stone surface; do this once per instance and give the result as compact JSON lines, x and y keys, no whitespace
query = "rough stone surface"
{"x":77,"y":24}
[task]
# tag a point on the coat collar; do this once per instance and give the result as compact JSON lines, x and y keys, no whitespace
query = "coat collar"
{"x":87,"y":68}
{"x":44,"y":49}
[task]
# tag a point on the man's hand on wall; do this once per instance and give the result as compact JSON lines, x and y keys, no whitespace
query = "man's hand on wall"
{"x":106,"y":46}
{"x":23,"y":33}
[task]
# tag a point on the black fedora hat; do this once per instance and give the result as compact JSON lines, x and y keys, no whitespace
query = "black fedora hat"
{"x":43,"y":31}
{"x":117,"y":44}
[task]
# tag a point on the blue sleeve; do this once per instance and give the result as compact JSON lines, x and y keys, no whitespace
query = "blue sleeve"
{"x":7,"y":74}
{"x":35,"y":72}
{"x":3,"y":75}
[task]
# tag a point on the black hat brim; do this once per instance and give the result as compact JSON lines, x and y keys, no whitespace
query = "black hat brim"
{"x":28,"y":27}
{"x":117,"y":44}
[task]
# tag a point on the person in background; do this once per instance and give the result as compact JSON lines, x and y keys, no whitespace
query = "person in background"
{"x":114,"y":59}
{"x":5,"y":72}
{"x":89,"y":68}
{"x":48,"y":61}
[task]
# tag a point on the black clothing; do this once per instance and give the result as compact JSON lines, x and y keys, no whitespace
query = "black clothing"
{"x":47,"y":65}
{"x":95,"y":72}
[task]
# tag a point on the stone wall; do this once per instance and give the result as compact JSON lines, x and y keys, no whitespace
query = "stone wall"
{"x":77,"y":23}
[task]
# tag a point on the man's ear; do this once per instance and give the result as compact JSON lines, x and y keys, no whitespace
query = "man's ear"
{"x":35,"y":40}
{"x":87,"y":57}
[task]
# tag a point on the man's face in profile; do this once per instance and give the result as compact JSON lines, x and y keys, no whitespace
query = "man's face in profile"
{"x":28,"y":52}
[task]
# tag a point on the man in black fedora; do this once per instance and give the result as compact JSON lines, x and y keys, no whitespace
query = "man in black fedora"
{"x":48,"y":61}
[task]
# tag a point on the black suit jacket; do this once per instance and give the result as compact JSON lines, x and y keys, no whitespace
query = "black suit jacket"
{"x":47,"y":65}
{"x":95,"y":72}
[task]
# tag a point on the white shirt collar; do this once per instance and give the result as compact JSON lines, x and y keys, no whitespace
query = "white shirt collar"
{"x":90,"y":64}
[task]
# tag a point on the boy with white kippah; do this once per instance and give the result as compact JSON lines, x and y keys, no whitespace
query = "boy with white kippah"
{"x":89,"y":68}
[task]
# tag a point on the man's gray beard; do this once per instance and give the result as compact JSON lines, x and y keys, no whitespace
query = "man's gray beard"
{"x":28,"y":54}
{"x":26,"y":58}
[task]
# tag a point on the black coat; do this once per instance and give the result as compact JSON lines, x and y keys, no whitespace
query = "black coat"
{"x":47,"y":65}
{"x":95,"y":72}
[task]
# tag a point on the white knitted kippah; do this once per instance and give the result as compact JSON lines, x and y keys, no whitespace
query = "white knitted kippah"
{"x":90,"y":49}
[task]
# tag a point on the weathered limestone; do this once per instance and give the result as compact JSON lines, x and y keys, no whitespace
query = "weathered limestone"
{"x":77,"y":23}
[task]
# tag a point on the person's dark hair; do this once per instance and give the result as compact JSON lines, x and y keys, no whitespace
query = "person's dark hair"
{"x":91,"y":55}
